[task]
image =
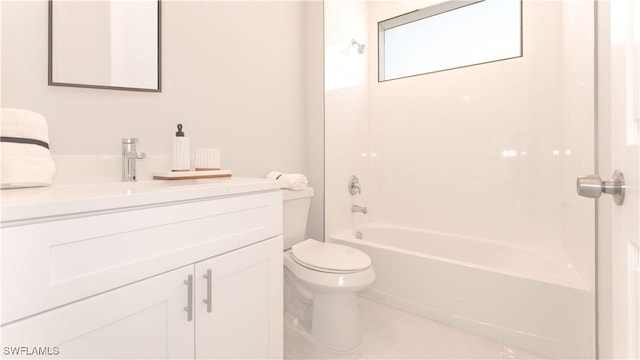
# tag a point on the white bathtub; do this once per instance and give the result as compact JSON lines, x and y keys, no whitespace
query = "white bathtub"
{"x":506,"y":292}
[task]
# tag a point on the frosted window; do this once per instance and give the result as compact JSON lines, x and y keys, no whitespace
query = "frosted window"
{"x":449,"y":35}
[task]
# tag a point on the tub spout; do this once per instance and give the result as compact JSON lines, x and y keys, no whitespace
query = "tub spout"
{"x":358,"y":208}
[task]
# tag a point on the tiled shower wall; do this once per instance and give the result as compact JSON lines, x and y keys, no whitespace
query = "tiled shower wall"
{"x":346,"y":112}
{"x":488,"y":151}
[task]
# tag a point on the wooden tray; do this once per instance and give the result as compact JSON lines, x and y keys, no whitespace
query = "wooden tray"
{"x":184,"y":175}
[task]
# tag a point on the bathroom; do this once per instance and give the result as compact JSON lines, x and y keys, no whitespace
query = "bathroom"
{"x":488,"y":156}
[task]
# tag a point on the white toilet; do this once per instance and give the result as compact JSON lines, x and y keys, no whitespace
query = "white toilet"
{"x":321,"y":279}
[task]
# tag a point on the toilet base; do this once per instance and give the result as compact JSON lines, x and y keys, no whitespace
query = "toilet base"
{"x":325,"y":303}
{"x":335,"y":321}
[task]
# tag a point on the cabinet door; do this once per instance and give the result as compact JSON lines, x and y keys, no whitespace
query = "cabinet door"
{"x":245,"y":317}
{"x":142,"y":320}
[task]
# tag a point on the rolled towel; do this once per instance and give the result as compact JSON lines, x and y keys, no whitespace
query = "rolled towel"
{"x":293,"y":181}
{"x":26,"y":158}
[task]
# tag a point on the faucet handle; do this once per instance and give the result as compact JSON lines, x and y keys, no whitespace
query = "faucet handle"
{"x":136,"y":155}
{"x":354,"y":185}
{"x":129,"y":140}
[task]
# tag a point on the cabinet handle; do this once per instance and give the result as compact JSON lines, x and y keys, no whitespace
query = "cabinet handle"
{"x":208,"y":299}
{"x":189,"y":307}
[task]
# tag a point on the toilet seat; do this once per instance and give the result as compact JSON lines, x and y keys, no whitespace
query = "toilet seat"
{"x":329,"y":257}
{"x":328,"y":282}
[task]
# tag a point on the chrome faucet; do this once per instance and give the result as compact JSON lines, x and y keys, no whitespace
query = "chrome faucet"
{"x":358,"y":208}
{"x":129,"y":157}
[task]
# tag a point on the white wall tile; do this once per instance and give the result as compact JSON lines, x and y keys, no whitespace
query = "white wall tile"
{"x":450,"y":193}
{"x":346,"y":115}
{"x":489,"y":150}
{"x":541,"y":25}
{"x":467,"y":120}
{"x":391,"y":157}
{"x":452,"y":158}
{"x":456,"y":221}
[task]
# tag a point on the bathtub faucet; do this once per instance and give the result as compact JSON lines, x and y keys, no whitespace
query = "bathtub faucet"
{"x":358,"y":208}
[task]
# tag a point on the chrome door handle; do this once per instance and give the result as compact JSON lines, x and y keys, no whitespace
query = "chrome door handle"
{"x":592,"y":186}
{"x":189,"y":307}
{"x":208,"y":300}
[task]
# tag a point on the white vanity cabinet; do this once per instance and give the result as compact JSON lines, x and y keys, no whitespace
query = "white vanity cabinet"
{"x":164,"y":316}
{"x":142,"y":320}
{"x":198,"y":278}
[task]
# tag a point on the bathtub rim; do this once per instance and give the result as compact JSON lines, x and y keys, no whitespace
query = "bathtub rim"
{"x":349,"y":236}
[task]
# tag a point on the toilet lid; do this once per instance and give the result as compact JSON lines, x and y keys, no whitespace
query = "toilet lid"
{"x":329,"y":257}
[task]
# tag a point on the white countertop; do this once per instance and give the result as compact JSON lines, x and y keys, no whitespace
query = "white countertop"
{"x":59,"y":200}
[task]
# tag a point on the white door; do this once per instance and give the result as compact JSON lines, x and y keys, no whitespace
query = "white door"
{"x":618,"y":139}
{"x":244,"y":318}
{"x":142,"y":320}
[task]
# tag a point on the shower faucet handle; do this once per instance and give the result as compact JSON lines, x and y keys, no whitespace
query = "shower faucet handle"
{"x":354,"y":185}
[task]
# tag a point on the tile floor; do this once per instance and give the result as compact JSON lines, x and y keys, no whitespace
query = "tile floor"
{"x":389,"y":333}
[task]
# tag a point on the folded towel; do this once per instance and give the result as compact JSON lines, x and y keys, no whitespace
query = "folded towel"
{"x":293,"y":181}
{"x":26,"y":158}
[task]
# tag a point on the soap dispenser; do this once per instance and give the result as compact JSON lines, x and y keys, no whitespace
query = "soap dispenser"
{"x":180,"y":152}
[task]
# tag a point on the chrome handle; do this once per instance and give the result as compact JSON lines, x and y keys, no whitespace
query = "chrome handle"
{"x":136,"y":155}
{"x":189,"y":307}
{"x":592,"y":186}
{"x":129,"y":140}
{"x":208,"y":299}
{"x":358,"y":208}
{"x":354,"y":185}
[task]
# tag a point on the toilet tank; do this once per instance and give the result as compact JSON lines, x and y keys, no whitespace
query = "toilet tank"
{"x":295,"y":211}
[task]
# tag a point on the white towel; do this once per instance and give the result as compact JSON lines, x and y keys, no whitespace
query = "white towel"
{"x":292,"y":181}
{"x":26,"y":159}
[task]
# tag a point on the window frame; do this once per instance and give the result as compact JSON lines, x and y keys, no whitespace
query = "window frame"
{"x":424,"y":13}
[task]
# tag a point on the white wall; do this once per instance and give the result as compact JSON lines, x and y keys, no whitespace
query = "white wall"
{"x":232,"y":74}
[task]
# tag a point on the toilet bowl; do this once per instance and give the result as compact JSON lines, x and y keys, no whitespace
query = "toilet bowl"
{"x":321,"y":279}
{"x":324,"y":292}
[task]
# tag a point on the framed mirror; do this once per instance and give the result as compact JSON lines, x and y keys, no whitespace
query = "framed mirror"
{"x":105,"y":44}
